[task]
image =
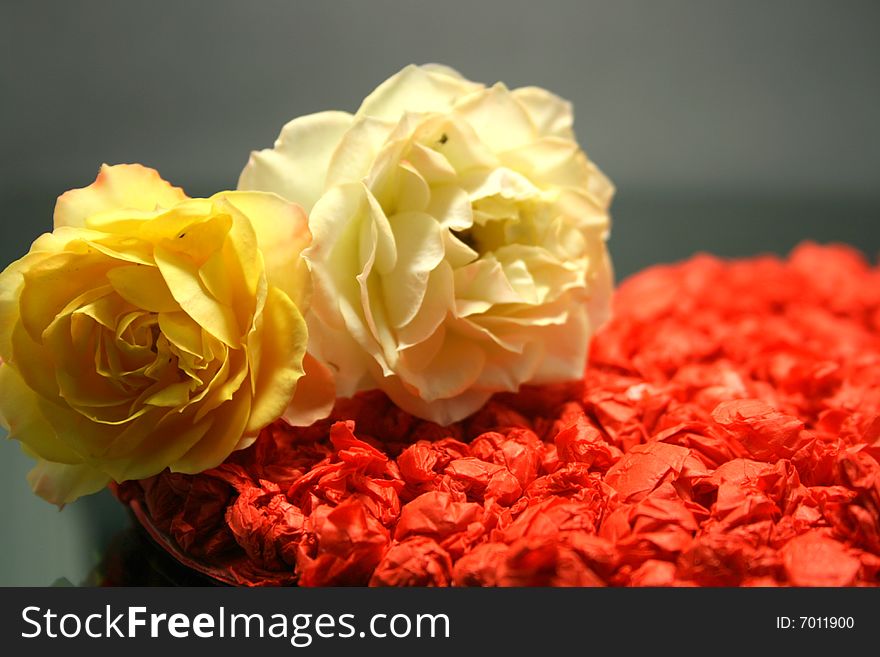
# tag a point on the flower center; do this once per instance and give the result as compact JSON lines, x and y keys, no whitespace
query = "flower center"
{"x":467,"y":236}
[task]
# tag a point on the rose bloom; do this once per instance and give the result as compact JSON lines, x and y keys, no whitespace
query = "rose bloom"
{"x":150,"y":331}
{"x":459,"y":239}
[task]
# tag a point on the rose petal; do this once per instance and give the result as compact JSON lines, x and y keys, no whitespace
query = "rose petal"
{"x":419,"y":240}
{"x":283,"y":346}
{"x":499,"y":120}
{"x":61,"y":483}
{"x":143,"y":287}
{"x":129,"y":186}
{"x":549,"y":113}
{"x":182,"y":278}
{"x":297,"y":166}
{"x":416,"y":89}
{"x":23,"y":418}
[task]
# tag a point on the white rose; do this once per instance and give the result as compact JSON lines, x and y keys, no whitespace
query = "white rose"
{"x":459,"y":239}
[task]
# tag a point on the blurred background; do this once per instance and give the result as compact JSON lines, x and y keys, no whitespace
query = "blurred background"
{"x":729,"y":127}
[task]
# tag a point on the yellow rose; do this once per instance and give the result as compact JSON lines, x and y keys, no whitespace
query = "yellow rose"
{"x":150,"y":331}
{"x":459,"y":238}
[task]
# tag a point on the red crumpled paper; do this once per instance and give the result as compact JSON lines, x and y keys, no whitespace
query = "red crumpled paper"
{"x":726,"y":433}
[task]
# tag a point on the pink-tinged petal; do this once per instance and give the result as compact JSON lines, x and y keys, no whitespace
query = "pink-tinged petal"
{"x":282,"y":230}
{"x":282,"y":347}
{"x":343,"y":356}
{"x":60,"y":483}
{"x":454,"y":370}
{"x":441,"y":411}
{"x":315,"y":394}
{"x":118,"y":187}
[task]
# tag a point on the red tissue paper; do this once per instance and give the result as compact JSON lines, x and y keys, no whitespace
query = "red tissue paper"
{"x":726,"y":433}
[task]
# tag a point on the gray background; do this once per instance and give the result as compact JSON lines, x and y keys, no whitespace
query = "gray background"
{"x":731,"y":127}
